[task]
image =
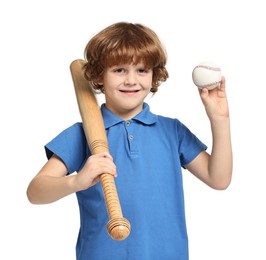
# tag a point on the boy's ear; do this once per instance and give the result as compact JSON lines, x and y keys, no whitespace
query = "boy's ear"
{"x":99,"y":82}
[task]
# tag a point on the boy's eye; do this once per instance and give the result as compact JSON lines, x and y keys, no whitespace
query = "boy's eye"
{"x":119,"y":70}
{"x":143,"y":70}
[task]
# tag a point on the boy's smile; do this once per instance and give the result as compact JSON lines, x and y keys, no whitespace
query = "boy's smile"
{"x":125,"y":88}
{"x":129,"y":91}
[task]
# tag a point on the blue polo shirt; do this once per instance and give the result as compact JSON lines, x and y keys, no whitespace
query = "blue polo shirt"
{"x":149,"y":152}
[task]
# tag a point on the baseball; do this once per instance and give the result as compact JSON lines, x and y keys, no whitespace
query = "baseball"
{"x":207,"y":75}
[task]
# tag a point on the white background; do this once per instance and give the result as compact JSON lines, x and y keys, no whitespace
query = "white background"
{"x":39,"y":40}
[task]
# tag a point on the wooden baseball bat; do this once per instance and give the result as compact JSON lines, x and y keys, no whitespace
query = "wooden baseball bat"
{"x":118,"y":227}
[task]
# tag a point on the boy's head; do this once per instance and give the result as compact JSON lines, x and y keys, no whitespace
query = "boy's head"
{"x":125,"y":43}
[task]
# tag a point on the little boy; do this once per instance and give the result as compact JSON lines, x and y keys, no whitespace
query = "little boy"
{"x":126,"y":62}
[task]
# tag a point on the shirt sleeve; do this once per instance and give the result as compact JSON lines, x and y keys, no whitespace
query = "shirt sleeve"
{"x":189,"y":145}
{"x":70,"y":146}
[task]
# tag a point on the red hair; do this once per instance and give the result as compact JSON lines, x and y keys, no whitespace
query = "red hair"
{"x":125,"y":43}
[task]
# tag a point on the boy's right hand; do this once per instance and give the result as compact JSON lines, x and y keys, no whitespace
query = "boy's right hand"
{"x":93,"y":168}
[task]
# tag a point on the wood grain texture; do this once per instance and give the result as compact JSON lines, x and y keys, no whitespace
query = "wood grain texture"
{"x":118,"y":227}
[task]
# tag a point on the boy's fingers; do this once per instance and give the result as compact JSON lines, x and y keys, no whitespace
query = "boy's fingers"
{"x":222,"y":85}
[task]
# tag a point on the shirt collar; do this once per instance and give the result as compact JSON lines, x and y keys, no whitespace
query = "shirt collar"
{"x":145,"y":117}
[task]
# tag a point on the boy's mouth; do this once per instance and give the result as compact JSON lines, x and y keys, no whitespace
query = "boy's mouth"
{"x":129,"y":91}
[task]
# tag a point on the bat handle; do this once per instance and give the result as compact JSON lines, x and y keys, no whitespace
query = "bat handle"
{"x":118,"y":227}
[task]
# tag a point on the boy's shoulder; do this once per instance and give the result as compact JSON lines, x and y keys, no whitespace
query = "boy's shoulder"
{"x":77,"y":126}
{"x":168,"y":120}
{"x":74,"y":131}
{"x":170,"y":124}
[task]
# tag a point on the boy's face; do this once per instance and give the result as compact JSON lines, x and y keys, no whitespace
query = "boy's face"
{"x":125,"y":88}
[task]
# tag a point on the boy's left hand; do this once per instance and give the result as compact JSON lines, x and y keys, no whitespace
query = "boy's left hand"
{"x":215,"y":101}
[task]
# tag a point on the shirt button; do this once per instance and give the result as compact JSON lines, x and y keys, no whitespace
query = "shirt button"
{"x":131,"y":137}
{"x":127,"y":123}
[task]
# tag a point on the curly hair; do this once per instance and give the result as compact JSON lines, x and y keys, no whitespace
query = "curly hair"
{"x":124,"y":43}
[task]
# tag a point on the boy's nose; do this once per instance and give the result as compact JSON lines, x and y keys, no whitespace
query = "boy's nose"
{"x":130,"y":79}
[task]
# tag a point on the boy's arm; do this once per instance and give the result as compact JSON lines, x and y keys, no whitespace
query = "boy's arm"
{"x":52,"y":182}
{"x":215,"y":169}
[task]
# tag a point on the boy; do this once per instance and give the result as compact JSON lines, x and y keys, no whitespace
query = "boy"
{"x":126,"y":62}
